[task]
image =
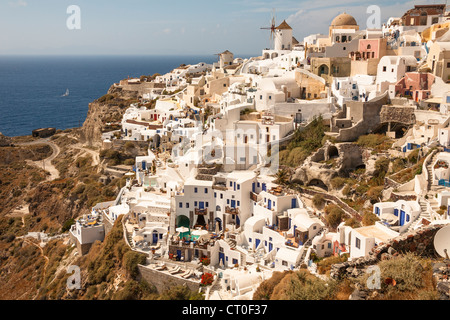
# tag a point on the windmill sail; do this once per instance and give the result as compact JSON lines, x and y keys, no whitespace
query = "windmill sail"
{"x":272,"y":27}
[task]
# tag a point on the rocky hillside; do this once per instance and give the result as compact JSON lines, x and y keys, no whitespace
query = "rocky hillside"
{"x":107,"y":110}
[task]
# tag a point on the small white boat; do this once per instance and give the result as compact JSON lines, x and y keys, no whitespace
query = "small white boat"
{"x":66,"y":94}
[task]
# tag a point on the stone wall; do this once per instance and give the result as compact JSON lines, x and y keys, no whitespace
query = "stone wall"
{"x":399,"y":114}
{"x":419,"y":242}
{"x":82,"y":249}
{"x":163,"y":281}
{"x":352,"y":212}
{"x":370,"y":118}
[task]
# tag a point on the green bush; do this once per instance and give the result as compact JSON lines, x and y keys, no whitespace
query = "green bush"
{"x":301,"y":285}
{"x":338,"y":182}
{"x":67,"y":225}
{"x":334,"y":216}
{"x":318,"y":200}
{"x":131,"y":260}
{"x":378,"y":142}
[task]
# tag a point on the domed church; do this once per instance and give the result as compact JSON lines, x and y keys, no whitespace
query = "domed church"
{"x":344,"y":21}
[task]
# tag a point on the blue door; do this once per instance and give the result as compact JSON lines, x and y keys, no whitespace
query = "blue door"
{"x":155,"y":237}
{"x":402,"y":217}
{"x":396,"y":212}
{"x":254,"y":187}
{"x":233,"y":203}
{"x":270,"y":246}
{"x":222,"y":257}
{"x":264,"y":187}
{"x":179,"y":254}
{"x":294,"y":203}
{"x":144,"y":165}
{"x":238,"y":221}
{"x":257,"y":242}
{"x":269,"y":205}
{"x":201,"y":205}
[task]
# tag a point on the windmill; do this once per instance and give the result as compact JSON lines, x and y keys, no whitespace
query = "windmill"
{"x":272,"y":27}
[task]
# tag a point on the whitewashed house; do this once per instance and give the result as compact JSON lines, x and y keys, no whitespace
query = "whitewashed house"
{"x":400,"y":214}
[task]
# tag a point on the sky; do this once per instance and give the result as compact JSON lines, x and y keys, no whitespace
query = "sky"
{"x":176,"y":27}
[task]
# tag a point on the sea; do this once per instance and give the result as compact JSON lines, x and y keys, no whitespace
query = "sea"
{"x":32,"y":88}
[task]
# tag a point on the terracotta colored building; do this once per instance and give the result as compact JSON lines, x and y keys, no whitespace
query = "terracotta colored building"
{"x":415,"y":84}
{"x":422,"y":15}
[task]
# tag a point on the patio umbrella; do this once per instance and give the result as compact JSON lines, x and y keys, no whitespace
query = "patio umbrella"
{"x":199,"y":233}
{"x":182,"y":229}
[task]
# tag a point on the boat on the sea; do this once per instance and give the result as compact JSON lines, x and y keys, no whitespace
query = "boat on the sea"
{"x":66,"y":94}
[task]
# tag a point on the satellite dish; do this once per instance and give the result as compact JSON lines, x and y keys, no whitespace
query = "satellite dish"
{"x":442,"y":242}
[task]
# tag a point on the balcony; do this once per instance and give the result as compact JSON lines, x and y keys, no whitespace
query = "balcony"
{"x":201,"y":212}
{"x":253,"y":196}
{"x":234,"y":211}
{"x":220,"y":187}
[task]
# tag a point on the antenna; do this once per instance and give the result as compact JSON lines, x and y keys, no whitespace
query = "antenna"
{"x":442,"y":242}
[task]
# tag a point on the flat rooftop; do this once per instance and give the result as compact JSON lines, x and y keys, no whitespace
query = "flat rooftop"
{"x":376,"y":232}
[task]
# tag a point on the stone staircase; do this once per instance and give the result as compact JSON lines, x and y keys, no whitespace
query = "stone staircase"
{"x":231,"y":243}
{"x":431,"y":191}
{"x":430,"y":172}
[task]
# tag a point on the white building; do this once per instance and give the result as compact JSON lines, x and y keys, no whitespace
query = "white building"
{"x":364,"y":239}
{"x":392,"y":69}
{"x":397,"y":215}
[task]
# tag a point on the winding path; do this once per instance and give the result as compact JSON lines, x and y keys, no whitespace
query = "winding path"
{"x":45,"y":164}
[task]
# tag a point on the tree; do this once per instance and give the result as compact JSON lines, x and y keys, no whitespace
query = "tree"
{"x":282,"y":177}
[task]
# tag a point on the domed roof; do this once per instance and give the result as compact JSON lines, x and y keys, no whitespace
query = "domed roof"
{"x":344,"y":19}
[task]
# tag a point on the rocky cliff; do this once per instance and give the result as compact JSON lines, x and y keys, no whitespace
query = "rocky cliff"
{"x":106,"y":113}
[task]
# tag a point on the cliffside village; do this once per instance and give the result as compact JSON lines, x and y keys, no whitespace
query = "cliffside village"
{"x":205,"y":198}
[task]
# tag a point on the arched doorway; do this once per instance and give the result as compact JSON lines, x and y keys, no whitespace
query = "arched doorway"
{"x":323,"y":69}
{"x":218,"y":224}
{"x":183,"y":221}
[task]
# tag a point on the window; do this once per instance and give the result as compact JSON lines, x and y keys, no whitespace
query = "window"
{"x":180,"y":205}
{"x":358,"y":243}
{"x":195,"y":190}
{"x":206,"y":190}
{"x":384,"y":69}
{"x":329,"y":245}
{"x":221,"y":196}
{"x":187,"y":205}
{"x":195,"y":204}
{"x":284,"y":263}
{"x":235,"y":261}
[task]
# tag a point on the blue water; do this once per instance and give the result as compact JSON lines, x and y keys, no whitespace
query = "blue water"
{"x":31,"y":88}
